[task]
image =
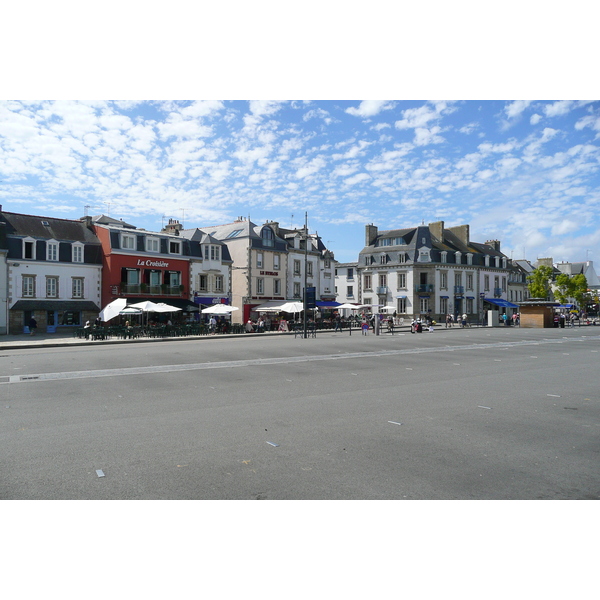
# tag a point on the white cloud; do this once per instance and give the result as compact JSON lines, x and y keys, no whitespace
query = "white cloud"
{"x":514,"y":109}
{"x":356,"y":179}
{"x":565,"y":226}
{"x":559,"y":108}
{"x":315,"y":165}
{"x":370,"y":108}
{"x":535,"y":119}
{"x":202,"y":108}
{"x":424,"y":136}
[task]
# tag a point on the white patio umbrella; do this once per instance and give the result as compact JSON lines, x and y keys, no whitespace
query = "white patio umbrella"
{"x":161,"y":307}
{"x":111,"y":310}
{"x":348,"y":306}
{"x":387,"y":309}
{"x":146,"y":305}
{"x":219,"y":309}
{"x":292,"y":307}
{"x":130,"y":310}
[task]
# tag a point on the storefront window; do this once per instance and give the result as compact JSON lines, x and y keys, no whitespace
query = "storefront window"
{"x":70,"y":317}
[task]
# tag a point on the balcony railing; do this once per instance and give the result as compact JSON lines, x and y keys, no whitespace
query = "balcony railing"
{"x":426,"y":288}
{"x":497,"y":292}
{"x":133,"y":289}
{"x":382,"y":290}
{"x":459,"y":289}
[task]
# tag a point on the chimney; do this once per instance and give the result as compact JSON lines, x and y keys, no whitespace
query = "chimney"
{"x":547,"y":262}
{"x":174,"y":226}
{"x":495,"y":244}
{"x":461,"y":232}
{"x":437,"y":230}
{"x":274,"y":225}
{"x":370,"y":234}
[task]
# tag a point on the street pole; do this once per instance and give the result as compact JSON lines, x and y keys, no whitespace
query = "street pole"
{"x":305,"y":272}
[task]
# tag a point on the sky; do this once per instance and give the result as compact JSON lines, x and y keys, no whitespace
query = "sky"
{"x":524,"y":172}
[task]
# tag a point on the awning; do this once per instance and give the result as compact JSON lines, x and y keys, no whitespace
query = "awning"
{"x":445,"y":297}
{"x":470,"y":297}
{"x":500,"y":302}
{"x":182,"y":303}
{"x":565,"y":306}
{"x":405,"y":296}
{"x":326,"y":303}
{"x":61,"y":305}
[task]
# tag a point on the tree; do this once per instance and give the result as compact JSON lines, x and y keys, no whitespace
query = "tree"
{"x":539,"y":282}
{"x":571,"y":287}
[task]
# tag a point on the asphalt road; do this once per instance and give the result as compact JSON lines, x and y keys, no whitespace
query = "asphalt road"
{"x":461,"y":414}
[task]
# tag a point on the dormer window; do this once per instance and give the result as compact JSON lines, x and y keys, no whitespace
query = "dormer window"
{"x":268,"y":237}
{"x":504,"y":263}
{"x":174,"y":247}
{"x":29,"y":248}
{"x":444,"y":256}
{"x":77,"y":253}
{"x":469,"y":258}
{"x":487,"y":260}
{"x":424,"y":255}
{"x":497,"y":261}
{"x":127,"y":242}
{"x":402,"y":257}
{"x":52,"y":250}
{"x":458,"y":256}
{"x":383,"y":259}
{"x":152,"y":244}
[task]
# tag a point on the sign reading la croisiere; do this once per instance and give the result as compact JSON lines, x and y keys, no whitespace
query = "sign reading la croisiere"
{"x":152,"y":263}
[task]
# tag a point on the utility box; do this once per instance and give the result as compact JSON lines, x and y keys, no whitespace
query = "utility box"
{"x":537,"y":313}
{"x":493,"y":318}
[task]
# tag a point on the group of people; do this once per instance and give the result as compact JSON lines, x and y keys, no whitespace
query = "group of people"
{"x":460,"y":320}
{"x":561,"y":319}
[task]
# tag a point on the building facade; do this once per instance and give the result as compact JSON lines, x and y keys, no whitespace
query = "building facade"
{"x":53,"y":272}
{"x":432,"y":271}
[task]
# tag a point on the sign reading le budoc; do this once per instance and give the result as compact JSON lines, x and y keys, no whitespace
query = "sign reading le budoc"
{"x":273,"y":273}
{"x":152,"y":263}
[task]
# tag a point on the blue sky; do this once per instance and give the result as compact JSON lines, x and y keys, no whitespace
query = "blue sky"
{"x":524,"y":172}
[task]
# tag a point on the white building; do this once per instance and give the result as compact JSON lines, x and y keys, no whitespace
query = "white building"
{"x":53,"y":272}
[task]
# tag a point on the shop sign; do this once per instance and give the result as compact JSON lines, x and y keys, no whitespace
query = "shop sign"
{"x":274,"y":274}
{"x":152,"y":263}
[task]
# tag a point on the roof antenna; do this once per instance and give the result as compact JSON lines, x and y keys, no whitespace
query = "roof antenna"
{"x":292,"y":222}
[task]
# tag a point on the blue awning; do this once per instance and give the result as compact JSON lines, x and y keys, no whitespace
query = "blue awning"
{"x":445,"y":297}
{"x":565,"y":306}
{"x":500,"y":302}
{"x":325,"y":303}
{"x":400,"y":296}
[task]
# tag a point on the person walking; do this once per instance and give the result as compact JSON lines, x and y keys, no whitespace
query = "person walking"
{"x":338,"y":322}
{"x":32,"y":326}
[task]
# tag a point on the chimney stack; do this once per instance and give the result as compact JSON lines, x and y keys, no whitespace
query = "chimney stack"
{"x":370,"y":234}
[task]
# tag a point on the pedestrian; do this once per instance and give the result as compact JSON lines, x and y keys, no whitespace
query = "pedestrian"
{"x":365,"y":326}
{"x":505,"y":319}
{"x":338,"y":322}
{"x":249,"y":326}
{"x":32,"y":326}
{"x":464,"y":320}
{"x":212,"y":325}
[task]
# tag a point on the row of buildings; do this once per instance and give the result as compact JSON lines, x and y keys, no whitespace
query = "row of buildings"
{"x":62,"y":272}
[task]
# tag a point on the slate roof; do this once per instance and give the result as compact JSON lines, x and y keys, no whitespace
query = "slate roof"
{"x":47,"y":228}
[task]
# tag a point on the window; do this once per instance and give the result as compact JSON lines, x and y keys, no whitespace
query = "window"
{"x":309,"y":268}
{"x":469,"y":281}
{"x":152,"y":244}
{"x":350,"y":274}
{"x":327,"y":263}
{"x":52,"y":251}
{"x":469,"y":259}
{"x":202,"y":283}
{"x":296,"y":267}
{"x":402,"y":257}
{"x":384,"y":242}
{"x":382,"y":279}
{"x":28,"y":286}
{"x":296,"y":290}
{"x":470,"y":306}
{"x":486,"y":282}
{"x":77,"y":287}
{"x":487,"y":260}
{"x":350,"y":291}
{"x":127,"y":242}
{"x":260,"y":285}
{"x":206,"y":252}
{"x":276,"y":262}
{"x":383,"y":259}
{"x":497,"y":261}
{"x":457,"y":278}
{"x":402,"y":305}
{"x":401,"y":281}
{"x":234,"y":234}
{"x":444,"y":280}
{"x":173,"y":278}
{"x":77,"y":255}
{"x":174,"y":247}
{"x":276,"y":287}
{"x":215,"y":253}
{"x":259,"y":260}
{"x":424,"y":255}
{"x":504,"y":263}
{"x":367,"y":260}
{"x":367,"y":300}
{"x":458,"y":256}
{"x":496,"y":282}
{"x":51,"y":287}
{"x":367,"y":282}
{"x":424,"y":305}
{"x":444,"y":306}
{"x":218,"y":283}
{"x":444,"y":256}
{"x":29,"y":249}
{"x":268,"y":237}
{"x":504,"y":284}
